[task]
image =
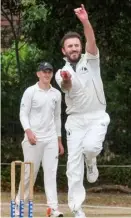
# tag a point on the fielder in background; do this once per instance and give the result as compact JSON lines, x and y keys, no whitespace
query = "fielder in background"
{"x":87,"y":121}
{"x":40,"y":116}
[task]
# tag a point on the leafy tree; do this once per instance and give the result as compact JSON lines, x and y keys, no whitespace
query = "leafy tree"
{"x":111,"y":21}
{"x":14,"y":12}
{"x":12,"y":85}
{"x":42,"y":25}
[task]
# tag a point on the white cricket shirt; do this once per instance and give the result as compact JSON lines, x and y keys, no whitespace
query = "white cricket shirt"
{"x":86,"y":95}
{"x":40,"y":111}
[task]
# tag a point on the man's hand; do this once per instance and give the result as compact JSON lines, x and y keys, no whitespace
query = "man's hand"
{"x":66,"y":83}
{"x":65,"y":75}
{"x":61,"y":148}
{"x":31,"y":136}
{"x":81,"y":13}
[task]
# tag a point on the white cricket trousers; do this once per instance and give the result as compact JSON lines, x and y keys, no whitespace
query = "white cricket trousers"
{"x":84,"y":141}
{"x":47,"y":153}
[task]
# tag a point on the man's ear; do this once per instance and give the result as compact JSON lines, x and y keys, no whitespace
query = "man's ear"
{"x":38,"y":74}
{"x":63,"y":51}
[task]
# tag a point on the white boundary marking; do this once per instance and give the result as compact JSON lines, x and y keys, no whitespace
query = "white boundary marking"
{"x":84,"y":206}
{"x":86,"y":217}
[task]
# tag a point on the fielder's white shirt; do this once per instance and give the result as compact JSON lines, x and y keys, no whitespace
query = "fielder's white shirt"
{"x":40,"y":111}
{"x":86,"y":95}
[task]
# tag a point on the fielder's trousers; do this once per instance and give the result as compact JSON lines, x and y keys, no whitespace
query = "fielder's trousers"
{"x":47,"y":153}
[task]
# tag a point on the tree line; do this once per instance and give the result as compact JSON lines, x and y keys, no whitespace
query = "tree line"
{"x":37,"y":37}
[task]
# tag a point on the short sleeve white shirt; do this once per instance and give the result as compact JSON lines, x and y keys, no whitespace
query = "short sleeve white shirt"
{"x":86,"y":95}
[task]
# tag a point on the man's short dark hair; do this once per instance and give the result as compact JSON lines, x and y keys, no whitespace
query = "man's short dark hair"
{"x":69,"y":35}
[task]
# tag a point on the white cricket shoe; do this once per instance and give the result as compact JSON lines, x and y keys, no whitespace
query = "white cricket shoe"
{"x":92,"y":171}
{"x":79,"y":214}
{"x":54,"y":213}
{"x":17,"y":210}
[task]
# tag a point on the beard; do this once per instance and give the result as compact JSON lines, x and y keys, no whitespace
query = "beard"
{"x":75,"y":59}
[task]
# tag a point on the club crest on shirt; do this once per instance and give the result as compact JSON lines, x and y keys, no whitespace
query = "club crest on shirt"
{"x":68,"y":132}
{"x":84,"y":70}
{"x":22,"y":105}
{"x":103,"y":124}
{"x":54,"y":100}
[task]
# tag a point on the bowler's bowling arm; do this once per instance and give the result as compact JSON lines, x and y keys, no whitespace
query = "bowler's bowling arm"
{"x":66,"y":84}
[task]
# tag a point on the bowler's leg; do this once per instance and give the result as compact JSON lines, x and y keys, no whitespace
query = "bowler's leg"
{"x":75,"y":170}
{"x":93,"y":144}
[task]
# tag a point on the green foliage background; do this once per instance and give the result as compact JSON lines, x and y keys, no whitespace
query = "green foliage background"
{"x":43,"y":25}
